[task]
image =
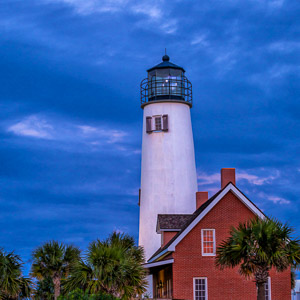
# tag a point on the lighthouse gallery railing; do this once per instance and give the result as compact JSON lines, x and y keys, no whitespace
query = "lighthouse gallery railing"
{"x":159,"y":89}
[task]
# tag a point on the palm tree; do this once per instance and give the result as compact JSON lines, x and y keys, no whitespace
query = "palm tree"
{"x":54,"y":260}
{"x":257,"y":246}
{"x":12,"y":284}
{"x":113,"y":267}
{"x":44,"y":289}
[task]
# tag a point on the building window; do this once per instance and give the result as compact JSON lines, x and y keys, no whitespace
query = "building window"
{"x":208,"y":238}
{"x":158,"y":123}
{"x":200,"y":288}
{"x":268,"y":289}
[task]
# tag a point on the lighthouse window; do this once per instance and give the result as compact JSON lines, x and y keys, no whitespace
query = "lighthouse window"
{"x":208,"y":242}
{"x":158,"y":123}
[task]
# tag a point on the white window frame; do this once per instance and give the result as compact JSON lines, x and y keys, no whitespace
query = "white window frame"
{"x":214,"y":240}
{"x":269,"y":288}
{"x":194,"y":287}
{"x":154,"y":123}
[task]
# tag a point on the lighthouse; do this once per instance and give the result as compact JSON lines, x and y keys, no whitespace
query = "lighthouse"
{"x":168,"y":172}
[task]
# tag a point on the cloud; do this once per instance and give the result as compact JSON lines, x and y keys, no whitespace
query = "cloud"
{"x":36,"y":126}
{"x":32,"y":126}
{"x":257,"y":180}
{"x":155,"y":12}
{"x":213,"y":179}
{"x":205,"y":179}
{"x":274,"y":199}
{"x":148,"y":9}
{"x":86,"y":7}
{"x":111,"y":135}
{"x":279,"y":200}
{"x":258,"y":185}
{"x":200,"y":40}
{"x":284,"y":46}
{"x":151,"y":9}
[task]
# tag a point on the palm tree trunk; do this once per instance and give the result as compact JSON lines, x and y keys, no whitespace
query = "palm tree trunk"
{"x":261,"y":291}
{"x":56,"y":283}
{"x":261,"y":278}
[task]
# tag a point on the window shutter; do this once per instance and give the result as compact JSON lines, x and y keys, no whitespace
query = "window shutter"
{"x":148,"y":124}
{"x":165,"y":123}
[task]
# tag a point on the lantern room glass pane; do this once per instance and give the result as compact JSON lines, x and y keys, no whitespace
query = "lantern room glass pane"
{"x":164,"y":82}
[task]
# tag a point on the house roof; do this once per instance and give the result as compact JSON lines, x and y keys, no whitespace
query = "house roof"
{"x":200,"y":213}
{"x":172,"y":222}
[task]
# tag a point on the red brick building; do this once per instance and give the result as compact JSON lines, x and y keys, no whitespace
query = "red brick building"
{"x":184,"y":266}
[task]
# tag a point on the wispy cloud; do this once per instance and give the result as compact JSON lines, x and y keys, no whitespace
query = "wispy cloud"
{"x":214,"y":179}
{"x":206,"y":179}
{"x":151,"y":9}
{"x":32,"y":126}
{"x":284,"y":46}
{"x":258,"y":180}
{"x":154,"y":12}
{"x":148,"y":9}
{"x":275,"y":73}
{"x":279,"y":200}
{"x":86,"y":7}
{"x":111,"y":135}
{"x":254,"y":182}
{"x":200,"y":40}
{"x":274,"y":199}
{"x":39,"y":127}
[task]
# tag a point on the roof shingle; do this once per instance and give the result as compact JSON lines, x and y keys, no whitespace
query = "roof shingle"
{"x":172,"y":221}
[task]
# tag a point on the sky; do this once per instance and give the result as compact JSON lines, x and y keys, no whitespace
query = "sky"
{"x":71,"y":122}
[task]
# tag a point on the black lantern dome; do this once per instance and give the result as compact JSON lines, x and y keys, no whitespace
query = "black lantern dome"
{"x":166,"y":82}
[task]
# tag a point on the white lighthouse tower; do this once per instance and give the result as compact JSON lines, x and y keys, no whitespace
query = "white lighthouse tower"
{"x":168,"y":179}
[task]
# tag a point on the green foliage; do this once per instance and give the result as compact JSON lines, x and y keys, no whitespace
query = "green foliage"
{"x":113,"y":267}
{"x":79,"y":294}
{"x":54,"y":260}
{"x":44,"y":289}
{"x":256,"y":247}
{"x":12,"y":284}
{"x":259,"y":243}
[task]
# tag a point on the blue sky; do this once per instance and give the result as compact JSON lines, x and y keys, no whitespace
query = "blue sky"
{"x":70,"y":117}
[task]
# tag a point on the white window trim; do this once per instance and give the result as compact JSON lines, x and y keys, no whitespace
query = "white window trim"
{"x":206,"y":290}
{"x":214,"y":238}
{"x":269,"y":288}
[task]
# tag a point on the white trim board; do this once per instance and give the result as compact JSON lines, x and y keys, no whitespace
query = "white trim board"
{"x":159,"y":263}
{"x":158,"y":255}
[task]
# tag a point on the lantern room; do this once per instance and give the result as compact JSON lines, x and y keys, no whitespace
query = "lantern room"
{"x":166,"y":82}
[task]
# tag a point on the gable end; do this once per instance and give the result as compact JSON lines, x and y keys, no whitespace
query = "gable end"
{"x":207,"y":207}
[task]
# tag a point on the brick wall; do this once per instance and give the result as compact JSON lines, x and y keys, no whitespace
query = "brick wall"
{"x":226,"y":284}
{"x":167,"y":236}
